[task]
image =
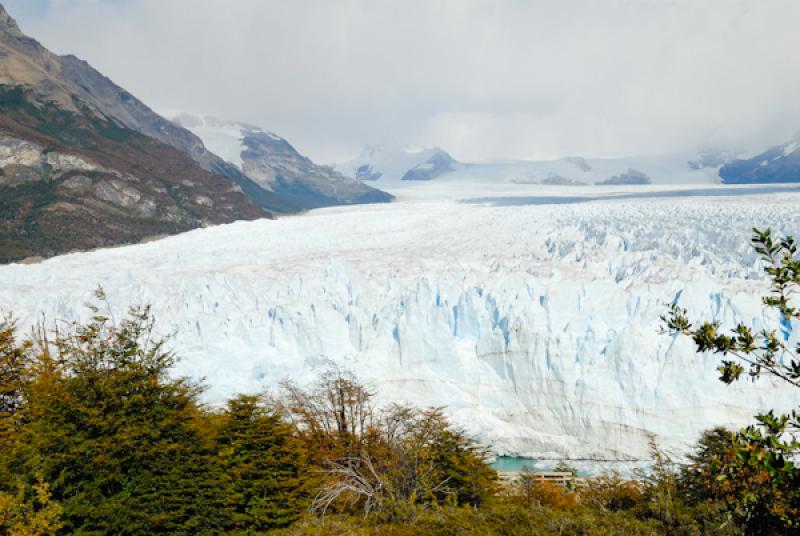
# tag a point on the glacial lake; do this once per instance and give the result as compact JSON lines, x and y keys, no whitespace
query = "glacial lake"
{"x":585,"y":468}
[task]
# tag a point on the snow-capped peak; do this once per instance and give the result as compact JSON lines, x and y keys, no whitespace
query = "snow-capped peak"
{"x":222,"y":137}
{"x":394,"y":162}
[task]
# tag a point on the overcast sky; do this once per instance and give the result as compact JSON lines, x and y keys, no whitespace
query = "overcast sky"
{"x":482,"y":79}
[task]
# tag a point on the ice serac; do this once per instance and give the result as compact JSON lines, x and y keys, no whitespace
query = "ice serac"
{"x":537,"y":326}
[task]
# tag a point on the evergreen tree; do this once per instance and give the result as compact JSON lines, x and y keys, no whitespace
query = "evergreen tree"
{"x":14,"y":367}
{"x":116,"y":438}
{"x":264,"y":462}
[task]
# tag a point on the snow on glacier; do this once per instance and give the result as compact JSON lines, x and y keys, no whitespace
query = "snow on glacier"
{"x":535,"y":324}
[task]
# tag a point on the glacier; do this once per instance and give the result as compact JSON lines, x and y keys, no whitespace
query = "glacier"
{"x":535,"y":324}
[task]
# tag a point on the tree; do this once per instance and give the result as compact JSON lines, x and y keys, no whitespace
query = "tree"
{"x":115,"y":438}
{"x":754,"y":469}
{"x":334,"y":416}
{"x":384,"y":459}
{"x":29,"y":512}
{"x":264,"y":463}
{"x":15,"y":359}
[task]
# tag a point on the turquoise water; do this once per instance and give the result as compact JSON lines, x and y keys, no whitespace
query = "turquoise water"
{"x":513,"y":464}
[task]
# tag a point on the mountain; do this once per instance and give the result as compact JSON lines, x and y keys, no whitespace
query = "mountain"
{"x":388,"y":163}
{"x":438,"y":164}
{"x":79,"y":168}
{"x":778,"y":164}
{"x":272,"y":163}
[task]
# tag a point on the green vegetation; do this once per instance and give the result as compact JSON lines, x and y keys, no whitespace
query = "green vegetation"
{"x":753,"y":472}
{"x":97,"y":438}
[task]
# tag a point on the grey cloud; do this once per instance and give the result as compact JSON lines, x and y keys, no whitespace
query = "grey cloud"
{"x":483,"y":79}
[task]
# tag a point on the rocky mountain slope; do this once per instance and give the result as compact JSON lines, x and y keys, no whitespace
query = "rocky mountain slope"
{"x":275,"y":166}
{"x":83,"y":164}
{"x":80,"y":181}
{"x":778,"y":164}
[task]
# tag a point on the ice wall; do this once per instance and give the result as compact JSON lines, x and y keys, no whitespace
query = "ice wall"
{"x":537,"y":326}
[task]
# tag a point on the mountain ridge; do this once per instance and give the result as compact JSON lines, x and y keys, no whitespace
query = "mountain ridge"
{"x":75,"y":175}
{"x":276,"y":166}
{"x":777,"y":164}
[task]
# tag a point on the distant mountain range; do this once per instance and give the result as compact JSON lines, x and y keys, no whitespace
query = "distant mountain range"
{"x":85,"y":164}
{"x":383,"y":165}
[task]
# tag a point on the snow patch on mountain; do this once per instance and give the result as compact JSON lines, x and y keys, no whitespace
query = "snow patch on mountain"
{"x":223,"y":138}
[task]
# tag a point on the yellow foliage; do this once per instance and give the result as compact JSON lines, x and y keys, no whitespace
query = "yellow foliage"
{"x":31,"y":512}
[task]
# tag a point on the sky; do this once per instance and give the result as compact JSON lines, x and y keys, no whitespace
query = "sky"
{"x":483,"y":79}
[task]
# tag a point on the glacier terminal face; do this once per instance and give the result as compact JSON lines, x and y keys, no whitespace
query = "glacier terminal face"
{"x":536,"y":325}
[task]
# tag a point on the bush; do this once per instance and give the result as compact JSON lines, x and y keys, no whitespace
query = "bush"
{"x":386,"y":460}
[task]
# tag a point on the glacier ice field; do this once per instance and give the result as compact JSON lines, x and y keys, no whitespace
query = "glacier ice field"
{"x":536,"y":325}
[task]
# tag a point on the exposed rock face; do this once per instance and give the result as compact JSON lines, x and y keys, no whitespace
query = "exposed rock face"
{"x":779,"y":164}
{"x":632,"y":176}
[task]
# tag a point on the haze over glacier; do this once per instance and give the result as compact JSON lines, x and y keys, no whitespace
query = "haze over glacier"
{"x":536,"y":325}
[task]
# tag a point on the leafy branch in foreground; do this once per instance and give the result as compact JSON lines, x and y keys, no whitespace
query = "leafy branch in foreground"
{"x":762,"y":351}
{"x":759,"y":480}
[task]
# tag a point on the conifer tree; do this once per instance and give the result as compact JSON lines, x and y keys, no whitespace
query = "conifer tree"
{"x":264,"y":462}
{"x":114,"y":437}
